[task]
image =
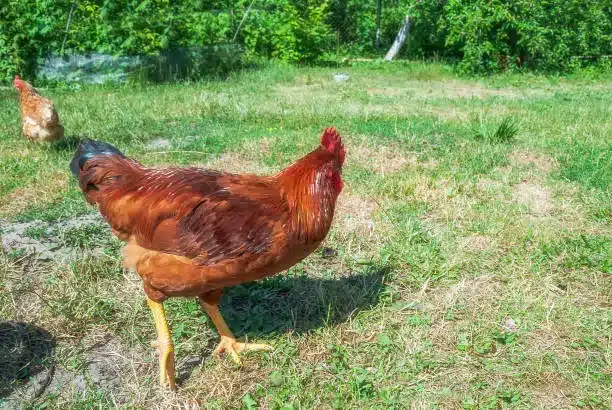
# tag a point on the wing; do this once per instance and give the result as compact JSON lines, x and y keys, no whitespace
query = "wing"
{"x":48,"y":114}
{"x":201,"y":215}
{"x":227,"y":225}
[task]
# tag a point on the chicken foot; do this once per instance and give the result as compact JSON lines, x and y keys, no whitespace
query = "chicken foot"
{"x":163,"y":344}
{"x":228,"y":342}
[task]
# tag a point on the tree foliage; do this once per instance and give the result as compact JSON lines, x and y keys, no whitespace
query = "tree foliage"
{"x":481,"y":35}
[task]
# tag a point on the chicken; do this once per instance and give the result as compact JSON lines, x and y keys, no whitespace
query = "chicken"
{"x":40,"y":120}
{"x":193,"y":232}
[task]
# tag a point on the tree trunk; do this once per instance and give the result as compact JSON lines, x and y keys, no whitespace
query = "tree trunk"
{"x":400,"y":39}
{"x":378,"y":7}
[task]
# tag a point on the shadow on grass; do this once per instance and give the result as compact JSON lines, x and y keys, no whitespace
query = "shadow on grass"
{"x":68,"y":143}
{"x":299,"y":304}
{"x":25,"y":351}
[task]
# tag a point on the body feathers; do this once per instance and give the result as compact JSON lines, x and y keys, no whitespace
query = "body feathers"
{"x":191,"y":231}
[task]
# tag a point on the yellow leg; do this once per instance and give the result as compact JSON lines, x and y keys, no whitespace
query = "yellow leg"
{"x":163,"y":344}
{"x":228,"y":342}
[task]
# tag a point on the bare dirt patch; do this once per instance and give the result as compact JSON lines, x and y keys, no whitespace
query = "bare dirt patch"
{"x":109,"y":361}
{"x":533,"y":196}
{"x":41,"y":239}
{"x":109,"y":364}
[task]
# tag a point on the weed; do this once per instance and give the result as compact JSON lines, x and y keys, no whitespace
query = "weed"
{"x":505,"y":132}
{"x":36,"y":232}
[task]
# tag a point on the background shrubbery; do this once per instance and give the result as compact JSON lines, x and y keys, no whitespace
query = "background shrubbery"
{"x":480,"y":35}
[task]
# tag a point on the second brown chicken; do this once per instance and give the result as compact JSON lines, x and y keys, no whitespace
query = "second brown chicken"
{"x":40,"y":121}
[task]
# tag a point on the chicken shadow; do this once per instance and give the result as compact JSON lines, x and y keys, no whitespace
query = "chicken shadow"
{"x":67,"y":144}
{"x":25,"y":351}
{"x":299,"y":303}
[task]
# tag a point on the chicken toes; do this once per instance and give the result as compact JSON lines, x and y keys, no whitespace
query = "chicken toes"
{"x":165,"y":351}
{"x":228,"y":343}
{"x":230,"y":346}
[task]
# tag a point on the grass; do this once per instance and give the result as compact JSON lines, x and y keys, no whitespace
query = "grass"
{"x":470,"y":254}
{"x":505,"y":132}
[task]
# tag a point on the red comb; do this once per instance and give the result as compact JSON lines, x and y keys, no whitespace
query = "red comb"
{"x":333,"y":143}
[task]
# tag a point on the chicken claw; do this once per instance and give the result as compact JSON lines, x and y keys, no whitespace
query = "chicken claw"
{"x":230,"y":346}
{"x":228,"y":342}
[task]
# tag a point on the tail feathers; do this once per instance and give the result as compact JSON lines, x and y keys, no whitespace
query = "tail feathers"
{"x":89,"y":148}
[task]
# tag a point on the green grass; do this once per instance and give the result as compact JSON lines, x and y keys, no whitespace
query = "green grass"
{"x":472,"y":245}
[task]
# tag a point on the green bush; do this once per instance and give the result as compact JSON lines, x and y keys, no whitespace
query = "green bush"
{"x":289,"y":30}
{"x":552,"y":35}
{"x":28,"y":31}
{"x":482,"y":35}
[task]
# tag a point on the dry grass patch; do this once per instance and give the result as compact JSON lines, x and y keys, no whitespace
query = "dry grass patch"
{"x":447,"y":113}
{"x":386,"y":91}
{"x":476,"y":243}
{"x":446,"y":212}
{"x":541,"y":162}
{"x":547,"y":218}
{"x":219,"y":380}
{"x":247,"y":159}
{"x":491,"y":187}
{"x":355,"y":214}
{"x":469,"y":298}
{"x":474,"y":293}
{"x":22,"y":281}
{"x":237,"y":163}
{"x":457,"y":89}
{"x":418,"y":89}
{"x":552,"y":391}
{"x":430,"y":190}
{"x":594,"y":292}
{"x":536,"y":198}
{"x":474,"y":296}
{"x":301,"y":93}
{"x":383,"y":159}
{"x":46,"y":187}
{"x":452,"y":89}
{"x":547,"y":339}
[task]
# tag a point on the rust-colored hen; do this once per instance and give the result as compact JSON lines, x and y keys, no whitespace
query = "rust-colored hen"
{"x":193,"y":232}
{"x":39,"y":117}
